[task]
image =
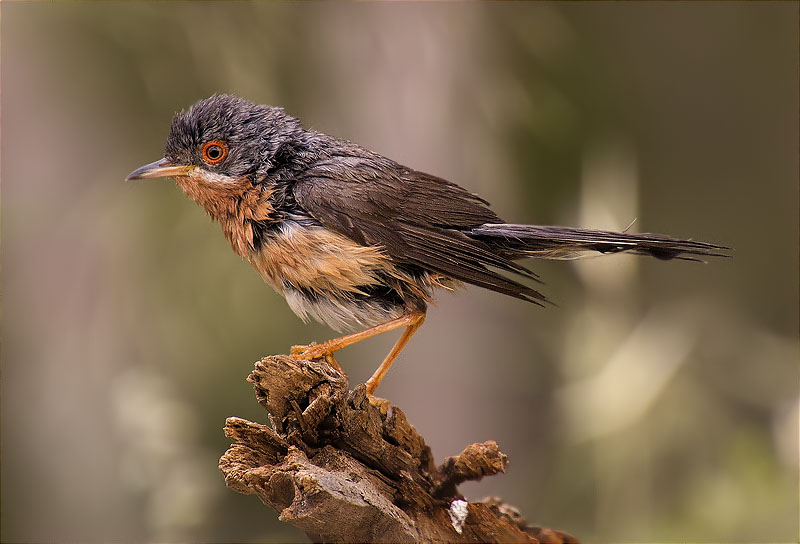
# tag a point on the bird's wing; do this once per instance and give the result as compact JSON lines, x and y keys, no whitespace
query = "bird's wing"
{"x":417,"y":218}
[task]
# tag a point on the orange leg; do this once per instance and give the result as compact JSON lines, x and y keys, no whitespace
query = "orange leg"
{"x":314,"y":351}
{"x":374,"y":381}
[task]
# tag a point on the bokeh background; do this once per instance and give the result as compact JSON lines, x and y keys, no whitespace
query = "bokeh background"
{"x":658,"y":402}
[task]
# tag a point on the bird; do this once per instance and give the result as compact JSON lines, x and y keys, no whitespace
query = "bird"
{"x":354,"y":239}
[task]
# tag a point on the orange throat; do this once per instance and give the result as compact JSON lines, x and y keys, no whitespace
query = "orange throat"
{"x":234,"y":202}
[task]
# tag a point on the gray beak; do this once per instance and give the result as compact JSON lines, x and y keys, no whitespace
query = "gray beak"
{"x":162,"y":168}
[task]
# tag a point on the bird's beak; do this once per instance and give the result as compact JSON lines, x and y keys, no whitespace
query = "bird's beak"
{"x":160,"y":169}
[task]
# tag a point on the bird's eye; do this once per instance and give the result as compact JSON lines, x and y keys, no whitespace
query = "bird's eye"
{"x":214,"y":151}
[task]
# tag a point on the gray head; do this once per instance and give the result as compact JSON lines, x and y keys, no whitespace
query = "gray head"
{"x":224,"y":136}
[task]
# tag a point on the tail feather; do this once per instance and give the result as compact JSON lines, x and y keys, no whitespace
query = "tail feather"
{"x":550,"y":242}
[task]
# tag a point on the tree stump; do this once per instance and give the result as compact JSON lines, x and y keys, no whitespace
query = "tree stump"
{"x":344,"y":469}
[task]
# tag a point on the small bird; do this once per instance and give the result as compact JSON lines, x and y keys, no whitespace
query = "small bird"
{"x":352,"y":238}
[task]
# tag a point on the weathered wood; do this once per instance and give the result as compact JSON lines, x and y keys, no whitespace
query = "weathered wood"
{"x":344,"y":469}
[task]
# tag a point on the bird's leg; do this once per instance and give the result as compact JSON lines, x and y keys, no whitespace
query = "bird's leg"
{"x":315,"y":351}
{"x":416,"y":321}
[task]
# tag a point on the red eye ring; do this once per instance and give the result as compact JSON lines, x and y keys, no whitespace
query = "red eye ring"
{"x":215,"y":151}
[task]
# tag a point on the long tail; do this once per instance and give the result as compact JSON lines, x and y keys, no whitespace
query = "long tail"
{"x":545,"y":242}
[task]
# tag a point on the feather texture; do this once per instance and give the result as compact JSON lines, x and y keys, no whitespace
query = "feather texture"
{"x":551,"y":242}
{"x":418,"y":219}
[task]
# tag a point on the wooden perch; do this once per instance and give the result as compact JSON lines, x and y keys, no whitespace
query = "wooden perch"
{"x":342,"y":469}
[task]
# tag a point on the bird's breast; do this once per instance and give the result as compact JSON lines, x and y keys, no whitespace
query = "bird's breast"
{"x":235,"y":202}
{"x":328,"y":277}
{"x":311,"y":257}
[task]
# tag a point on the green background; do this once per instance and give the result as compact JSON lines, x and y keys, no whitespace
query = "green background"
{"x":658,"y":402}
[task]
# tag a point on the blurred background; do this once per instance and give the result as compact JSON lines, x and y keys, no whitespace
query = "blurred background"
{"x":658,"y":402}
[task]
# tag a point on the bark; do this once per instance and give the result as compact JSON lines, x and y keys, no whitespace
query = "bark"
{"x":344,"y":469}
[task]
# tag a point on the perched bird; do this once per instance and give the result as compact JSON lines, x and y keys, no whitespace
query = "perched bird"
{"x":352,"y":238}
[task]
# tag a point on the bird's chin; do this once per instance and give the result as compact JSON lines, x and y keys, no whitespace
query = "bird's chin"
{"x":212,"y":191}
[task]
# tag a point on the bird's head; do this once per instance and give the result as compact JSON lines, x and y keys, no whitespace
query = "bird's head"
{"x":219,"y":142}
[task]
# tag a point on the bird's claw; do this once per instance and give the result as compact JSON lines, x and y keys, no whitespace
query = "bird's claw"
{"x":314,"y":351}
{"x":309,"y":352}
{"x":379,"y":403}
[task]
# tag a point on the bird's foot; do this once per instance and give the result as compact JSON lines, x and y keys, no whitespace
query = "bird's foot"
{"x":316,"y":351}
{"x":310,"y":351}
{"x":379,"y":403}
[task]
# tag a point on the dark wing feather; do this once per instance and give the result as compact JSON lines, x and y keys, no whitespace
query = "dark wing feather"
{"x":415,"y":217}
{"x":518,"y":241}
